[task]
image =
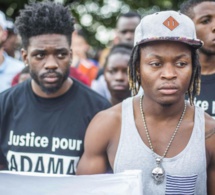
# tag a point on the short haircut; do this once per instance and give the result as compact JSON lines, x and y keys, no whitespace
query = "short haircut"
{"x":134,"y":77}
{"x":121,"y":48}
{"x":187,"y":6}
{"x":44,"y":18}
{"x":129,"y":14}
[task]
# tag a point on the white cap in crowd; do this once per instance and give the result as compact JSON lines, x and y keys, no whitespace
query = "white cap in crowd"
{"x":167,"y":25}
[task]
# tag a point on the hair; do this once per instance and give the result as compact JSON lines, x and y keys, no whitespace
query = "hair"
{"x":134,"y":77}
{"x":82,"y":34}
{"x":121,"y":48}
{"x":187,"y":6}
{"x":44,"y":18}
{"x":129,"y":14}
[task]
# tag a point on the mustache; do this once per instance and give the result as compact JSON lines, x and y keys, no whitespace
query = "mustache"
{"x":51,"y":73}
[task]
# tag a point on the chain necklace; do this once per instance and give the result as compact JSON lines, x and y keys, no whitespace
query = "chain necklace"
{"x":158,"y":172}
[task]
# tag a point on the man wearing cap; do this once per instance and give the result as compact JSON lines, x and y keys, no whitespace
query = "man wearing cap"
{"x":9,"y":66}
{"x":203,"y":15}
{"x":162,"y":134}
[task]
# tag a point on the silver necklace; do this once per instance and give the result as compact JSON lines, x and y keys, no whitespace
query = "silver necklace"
{"x":158,"y":172}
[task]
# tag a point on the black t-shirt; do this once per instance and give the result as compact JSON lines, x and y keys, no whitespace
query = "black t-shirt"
{"x":45,"y":134}
{"x":206,"y":99}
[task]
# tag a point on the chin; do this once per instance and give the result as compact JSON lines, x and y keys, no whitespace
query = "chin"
{"x":166,"y":102}
{"x":50,"y":90}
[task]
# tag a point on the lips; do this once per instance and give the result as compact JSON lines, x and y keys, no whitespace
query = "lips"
{"x":168,"y":89}
{"x":50,"y":78}
{"x":119,"y":87}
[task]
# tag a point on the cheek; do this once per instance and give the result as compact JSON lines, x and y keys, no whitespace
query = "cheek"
{"x":108,"y":78}
{"x":186,"y":79}
{"x":147,"y":81}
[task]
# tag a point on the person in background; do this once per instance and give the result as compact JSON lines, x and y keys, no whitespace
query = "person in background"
{"x":12,"y":43}
{"x":80,"y":60}
{"x":160,"y":133}
{"x":125,"y":26}
{"x":9,"y":66}
{"x":24,"y":74}
{"x":116,"y":72}
{"x":203,"y":15}
{"x":43,"y":119}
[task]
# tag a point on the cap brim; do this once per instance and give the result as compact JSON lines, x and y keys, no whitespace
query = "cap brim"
{"x":195,"y":43}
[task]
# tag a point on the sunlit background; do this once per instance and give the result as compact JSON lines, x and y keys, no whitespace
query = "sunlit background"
{"x":97,"y":18}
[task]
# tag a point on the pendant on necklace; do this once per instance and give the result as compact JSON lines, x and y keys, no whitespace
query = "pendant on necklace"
{"x":158,"y":172}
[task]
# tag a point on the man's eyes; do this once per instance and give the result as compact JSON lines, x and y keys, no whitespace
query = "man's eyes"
{"x":42,"y":55}
{"x":205,"y":21}
{"x":62,"y":54}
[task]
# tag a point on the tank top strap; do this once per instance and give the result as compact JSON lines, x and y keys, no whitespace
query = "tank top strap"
{"x":199,"y":120}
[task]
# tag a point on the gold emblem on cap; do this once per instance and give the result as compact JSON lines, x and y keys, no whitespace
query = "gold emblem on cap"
{"x":170,"y":23}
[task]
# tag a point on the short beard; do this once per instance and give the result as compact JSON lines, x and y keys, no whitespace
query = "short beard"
{"x":50,"y":90}
{"x":207,"y":52}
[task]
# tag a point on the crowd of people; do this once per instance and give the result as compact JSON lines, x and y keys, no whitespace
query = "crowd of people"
{"x":147,"y":103}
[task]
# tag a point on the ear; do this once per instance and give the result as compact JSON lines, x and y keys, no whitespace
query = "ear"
{"x":24,"y":55}
{"x":71,"y":55}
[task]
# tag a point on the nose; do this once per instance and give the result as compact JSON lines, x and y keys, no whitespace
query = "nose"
{"x":119,"y":76}
{"x":51,"y":63}
{"x":129,"y":35}
{"x":168,"y":72}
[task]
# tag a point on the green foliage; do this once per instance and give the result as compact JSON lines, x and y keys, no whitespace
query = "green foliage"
{"x":96,"y":16}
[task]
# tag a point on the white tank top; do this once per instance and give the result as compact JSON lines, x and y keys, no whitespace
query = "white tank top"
{"x":185,"y":173}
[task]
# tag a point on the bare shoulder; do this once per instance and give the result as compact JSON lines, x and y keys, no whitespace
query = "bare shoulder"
{"x":210,"y":139}
{"x":111,"y":113}
{"x":209,"y":127}
{"x":109,"y":117}
{"x":105,"y":125}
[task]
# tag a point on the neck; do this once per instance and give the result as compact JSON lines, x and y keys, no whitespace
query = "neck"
{"x":161,"y":111}
{"x":207,"y":64}
{"x":115,"y":101}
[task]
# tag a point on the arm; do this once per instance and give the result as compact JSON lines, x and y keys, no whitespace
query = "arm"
{"x":210,"y":149}
{"x":99,"y":139}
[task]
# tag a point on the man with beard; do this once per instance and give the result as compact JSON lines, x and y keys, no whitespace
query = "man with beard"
{"x":43,"y":120}
{"x":9,"y":66}
{"x":203,"y":15}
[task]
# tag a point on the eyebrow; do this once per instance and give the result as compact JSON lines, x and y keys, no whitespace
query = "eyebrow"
{"x":183,"y":55}
{"x":57,"y":49}
{"x":204,"y":16}
{"x":160,"y":57}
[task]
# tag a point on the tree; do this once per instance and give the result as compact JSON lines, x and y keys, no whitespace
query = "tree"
{"x":98,"y":18}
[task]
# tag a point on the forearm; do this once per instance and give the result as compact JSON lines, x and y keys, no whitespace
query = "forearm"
{"x":88,"y":166}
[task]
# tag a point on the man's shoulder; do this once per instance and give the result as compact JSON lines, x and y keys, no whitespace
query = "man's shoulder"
{"x":15,"y":91}
{"x":111,"y":115}
{"x":209,"y":126}
{"x":90,"y":95}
